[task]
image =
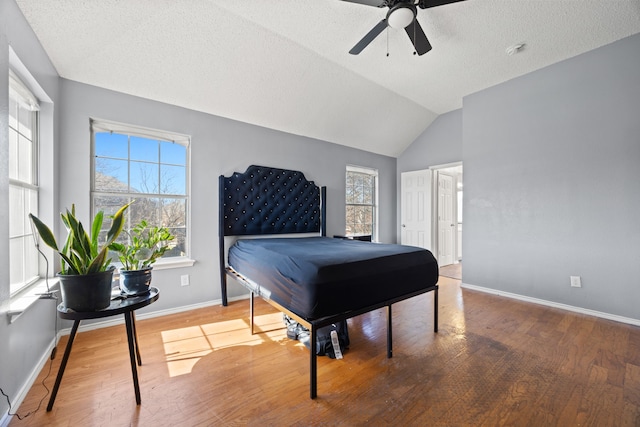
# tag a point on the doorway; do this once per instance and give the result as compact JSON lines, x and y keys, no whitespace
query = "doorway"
{"x":448,"y":221}
{"x":431,"y":211}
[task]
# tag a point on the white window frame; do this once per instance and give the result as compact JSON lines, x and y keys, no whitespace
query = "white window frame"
{"x":374,"y":173}
{"x":100,"y":125}
{"x":29,"y":258}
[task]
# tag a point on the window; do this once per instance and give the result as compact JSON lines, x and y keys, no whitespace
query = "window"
{"x":148,"y":166}
{"x":361,"y":201}
{"x":23,"y":184}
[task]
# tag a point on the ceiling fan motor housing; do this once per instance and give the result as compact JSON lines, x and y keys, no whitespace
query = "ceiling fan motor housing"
{"x":401,"y":15}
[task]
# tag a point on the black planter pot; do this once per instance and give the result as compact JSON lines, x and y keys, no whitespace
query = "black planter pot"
{"x":89,"y":292}
{"x":135,"y":282}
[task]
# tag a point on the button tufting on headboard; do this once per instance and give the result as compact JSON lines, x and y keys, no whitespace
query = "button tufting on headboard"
{"x":281,"y":212}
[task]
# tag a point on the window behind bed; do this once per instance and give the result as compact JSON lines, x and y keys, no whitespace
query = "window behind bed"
{"x":361,"y":201}
{"x":145,"y":165}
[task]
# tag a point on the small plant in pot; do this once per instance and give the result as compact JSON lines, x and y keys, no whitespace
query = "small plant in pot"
{"x":146,"y":245}
{"x":86,"y":272}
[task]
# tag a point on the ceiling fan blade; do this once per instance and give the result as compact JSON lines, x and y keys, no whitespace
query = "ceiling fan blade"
{"x":418,"y":37}
{"x":376,"y":3}
{"x":426,"y":4}
{"x":375,"y":31}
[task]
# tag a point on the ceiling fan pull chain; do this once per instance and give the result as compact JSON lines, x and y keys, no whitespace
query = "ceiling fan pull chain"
{"x":387,"y":41}
{"x":414,"y":36}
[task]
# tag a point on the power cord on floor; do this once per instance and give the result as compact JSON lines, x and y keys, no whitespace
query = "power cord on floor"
{"x":51,"y":295}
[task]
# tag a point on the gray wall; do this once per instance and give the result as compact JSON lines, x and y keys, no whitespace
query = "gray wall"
{"x":25,"y":341}
{"x":551,"y":179}
{"x":439,"y":144}
{"x":218,"y":146}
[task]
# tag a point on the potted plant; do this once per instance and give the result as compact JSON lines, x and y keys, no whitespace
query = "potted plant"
{"x":146,"y":244}
{"x":86,"y":272}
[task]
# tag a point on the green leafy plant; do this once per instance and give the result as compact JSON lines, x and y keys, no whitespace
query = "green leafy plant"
{"x":147,"y":244}
{"x":82,"y":253}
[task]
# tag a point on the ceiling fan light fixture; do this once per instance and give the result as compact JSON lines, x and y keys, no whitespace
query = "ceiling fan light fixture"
{"x":401,"y":16}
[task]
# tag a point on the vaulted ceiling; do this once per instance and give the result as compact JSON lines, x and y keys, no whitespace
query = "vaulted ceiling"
{"x":285,"y":64}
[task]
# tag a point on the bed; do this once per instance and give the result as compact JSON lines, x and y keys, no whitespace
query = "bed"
{"x":314,"y":279}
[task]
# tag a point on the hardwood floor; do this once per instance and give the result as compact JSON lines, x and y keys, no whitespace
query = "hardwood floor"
{"x":452,"y":271}
{"x":494,"y":361}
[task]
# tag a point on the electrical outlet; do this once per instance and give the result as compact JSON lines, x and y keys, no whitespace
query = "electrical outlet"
{"x":575,"y":281}
{"x":184,"y":280}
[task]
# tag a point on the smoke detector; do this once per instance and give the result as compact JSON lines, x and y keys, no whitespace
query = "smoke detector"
{"x":516,"y":48}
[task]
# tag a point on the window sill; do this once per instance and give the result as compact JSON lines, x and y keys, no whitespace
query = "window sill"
{"x":176,"y":262}
{"x":21,"y":302}
{"x":165,"y":264}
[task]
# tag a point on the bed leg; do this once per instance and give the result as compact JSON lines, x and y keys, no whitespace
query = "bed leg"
{"x":313,"y":380}
{"x":435,"y":310}
{"x":389,"y":333}
{"x":251,"y":312}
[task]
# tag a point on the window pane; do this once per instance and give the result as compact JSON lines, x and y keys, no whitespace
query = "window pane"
{"x":25,"y":172}
{"x":16,"y":262}
{"x":144,"y":177}
{"x":13,"y":154}
{"x":31,"y":206}
{"x":178,"y":244}
{"x":367,"y":195}
{"x":173,"y":179}
{"x":144,"y":208}
{"x":111,"y":175}
{"x":32,"y":258}
{"x":108,"y":205}
{"x":16,"y":212}
{"x":112,"y":145}
{"x":173,"y":153}
{"x":144,"y":149}
{"x":13,"y":113}
{"x":174,"y":213}
{"x":25,"y":122}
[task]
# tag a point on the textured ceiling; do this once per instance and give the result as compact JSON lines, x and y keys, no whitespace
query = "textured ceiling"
{"x":285,"y":64}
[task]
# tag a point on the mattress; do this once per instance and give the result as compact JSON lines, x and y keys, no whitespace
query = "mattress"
{"x":316,"y":277}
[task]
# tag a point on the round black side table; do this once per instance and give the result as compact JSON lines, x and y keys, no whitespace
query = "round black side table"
{"x":119,"y":305}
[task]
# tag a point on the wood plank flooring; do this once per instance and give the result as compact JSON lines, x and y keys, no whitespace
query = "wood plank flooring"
{"x":452,"y":271}
{"x":494,"y":362}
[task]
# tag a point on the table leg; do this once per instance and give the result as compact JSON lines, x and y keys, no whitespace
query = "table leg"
{"x":63,"y":365}
{"x":129,"y":323}
{"x":135,"y":337}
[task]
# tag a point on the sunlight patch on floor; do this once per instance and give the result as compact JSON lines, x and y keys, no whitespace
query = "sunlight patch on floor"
{"x":184,"y":347}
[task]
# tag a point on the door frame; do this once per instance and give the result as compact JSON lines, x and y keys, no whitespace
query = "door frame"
{"x":435,"y":170}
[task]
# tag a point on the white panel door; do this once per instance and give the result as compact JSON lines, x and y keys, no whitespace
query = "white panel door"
{"x":446,"y":222}
{"x":415,"y":212}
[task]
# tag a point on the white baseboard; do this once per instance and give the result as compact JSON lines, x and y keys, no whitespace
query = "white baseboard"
{"x":581,"y":310}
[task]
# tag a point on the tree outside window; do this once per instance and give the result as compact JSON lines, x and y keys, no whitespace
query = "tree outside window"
{"x":150,"y":167}
{"x":361,"y":201}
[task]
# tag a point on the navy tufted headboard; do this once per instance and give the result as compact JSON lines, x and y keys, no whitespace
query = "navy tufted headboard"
{"x":265,"y":200}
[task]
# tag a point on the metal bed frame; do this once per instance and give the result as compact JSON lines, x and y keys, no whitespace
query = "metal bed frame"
{"x":237,"y":216}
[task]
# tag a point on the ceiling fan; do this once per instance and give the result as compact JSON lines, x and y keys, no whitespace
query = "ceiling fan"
{"x":401,"y":14}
